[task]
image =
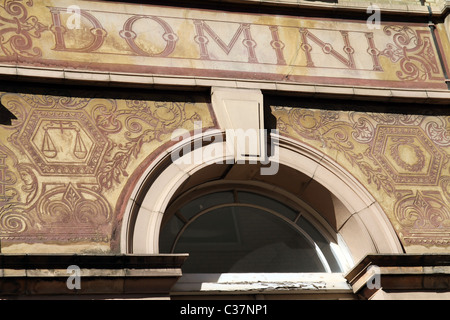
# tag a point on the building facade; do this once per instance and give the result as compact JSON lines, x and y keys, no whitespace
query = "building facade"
{"x":225,"y":149}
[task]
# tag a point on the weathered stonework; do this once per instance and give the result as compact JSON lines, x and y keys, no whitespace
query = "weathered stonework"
{"x":402,"y":159}
{"x":65,"y":160}
{"x":205,"y":43}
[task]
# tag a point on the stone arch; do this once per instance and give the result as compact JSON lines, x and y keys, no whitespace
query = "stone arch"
{"x":339,"y":198}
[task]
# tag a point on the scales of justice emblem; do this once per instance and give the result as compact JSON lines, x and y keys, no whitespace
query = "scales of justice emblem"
{"x":64,"y":141}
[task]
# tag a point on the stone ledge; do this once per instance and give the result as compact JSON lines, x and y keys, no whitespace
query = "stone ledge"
{"x":121,"y":275}
{"x":263,"y":283}
{"x":59,"y":76}
{"x":407,"y":8}
{"x":401,"y":273}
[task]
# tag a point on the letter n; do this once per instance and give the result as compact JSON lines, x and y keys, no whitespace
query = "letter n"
{"x":327,"y":48}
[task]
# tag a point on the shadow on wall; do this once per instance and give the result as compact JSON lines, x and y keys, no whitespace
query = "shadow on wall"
{"x":6,"y":116}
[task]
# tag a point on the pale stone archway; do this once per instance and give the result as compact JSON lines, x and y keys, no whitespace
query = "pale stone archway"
{"x":343,"y":204}
{"x":355,"y":216}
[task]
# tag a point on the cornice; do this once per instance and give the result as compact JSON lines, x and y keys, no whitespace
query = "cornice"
{"x":330,"y":8}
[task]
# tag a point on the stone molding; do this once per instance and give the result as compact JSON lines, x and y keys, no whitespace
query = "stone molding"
{"x":67,"y":77}
{"x":239,"y":111}
{"x":411,"y":8}
{"x":37,"y":275}
{"x":146,"y":206}
{"x":401,"y":273}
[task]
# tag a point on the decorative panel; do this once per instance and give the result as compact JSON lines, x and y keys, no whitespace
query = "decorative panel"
{"x":402,"y":159}
{"x":157,"y":40}
{"x":66,"y":159}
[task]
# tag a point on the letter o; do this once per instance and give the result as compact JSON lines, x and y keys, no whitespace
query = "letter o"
{"x":129,"y":35}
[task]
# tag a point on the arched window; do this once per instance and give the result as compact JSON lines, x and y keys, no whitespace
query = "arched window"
{"x":245,"y":230}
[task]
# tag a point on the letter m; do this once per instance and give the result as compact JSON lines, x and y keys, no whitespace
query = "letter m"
{"x":202,"y":29}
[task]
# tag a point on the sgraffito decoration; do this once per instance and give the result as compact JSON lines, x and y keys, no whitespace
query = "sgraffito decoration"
{"x":19,"y":30}
{"x":402,"y":159}
{"x":413,"y":51}
{"x":65,"y":160}
{"x":96,"y":36}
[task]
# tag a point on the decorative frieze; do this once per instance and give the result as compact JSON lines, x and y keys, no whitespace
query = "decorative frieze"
{"x":147,"y":39}
{"x":402,"y":159}
{"x":65,"y":160}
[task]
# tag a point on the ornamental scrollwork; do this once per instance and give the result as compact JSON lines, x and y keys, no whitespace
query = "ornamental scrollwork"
{"x":413,"y":51}
{"x":13,"y":218}
{"x":395,"y":151}
{"x":17,"y":30}
{"x":422,"y":211}
{"x":439,"y":131}
{"x":65,"y":157}
{"x":144,"y":122}
{"x":72,"y":205}
{"x":334,"y":133}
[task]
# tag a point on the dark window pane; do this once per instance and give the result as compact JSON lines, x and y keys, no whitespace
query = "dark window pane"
{"x":252,"y":198}
{"x":246,"y":239}
{"x":168,"y":234}
{"x":206,"y":201}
